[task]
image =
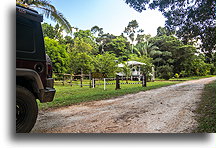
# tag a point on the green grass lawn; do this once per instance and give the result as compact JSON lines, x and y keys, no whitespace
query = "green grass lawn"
{"x":207,"y":110}
{"x":189,"y":78}
{"x":68,"y":95}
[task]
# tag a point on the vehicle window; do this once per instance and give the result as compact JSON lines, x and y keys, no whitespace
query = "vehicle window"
{"x":24,"y":37}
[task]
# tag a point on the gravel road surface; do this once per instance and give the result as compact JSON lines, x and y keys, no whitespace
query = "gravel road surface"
{"x":164,"y":110}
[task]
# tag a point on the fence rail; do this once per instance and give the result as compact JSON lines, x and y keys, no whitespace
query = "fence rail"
{"x":70,"y":79}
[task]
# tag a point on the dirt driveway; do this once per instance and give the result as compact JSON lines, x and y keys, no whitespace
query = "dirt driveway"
{"x":164,"y":110}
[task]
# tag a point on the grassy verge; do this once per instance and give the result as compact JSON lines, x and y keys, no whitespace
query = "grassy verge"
{"x":207,"y":110}
{"x":67,"y":95}
{"x":187,"y":78}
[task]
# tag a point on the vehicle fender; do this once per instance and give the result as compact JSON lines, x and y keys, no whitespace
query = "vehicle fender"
{"x":31,"y":74}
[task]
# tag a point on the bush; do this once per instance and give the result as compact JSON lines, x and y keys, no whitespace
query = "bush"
{"x":205,"y":69}
{"x":200,"y":68}
{"x":183,"y":73}
{"x":176,"y":75}
{"x":212,"y":69}
{"x":165,"y":72}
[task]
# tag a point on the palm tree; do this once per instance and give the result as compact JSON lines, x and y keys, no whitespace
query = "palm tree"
{"x":145,"y":48}
{"x":131,"y":31}
{"x":48,"y":10}
{"x":126,"y":70}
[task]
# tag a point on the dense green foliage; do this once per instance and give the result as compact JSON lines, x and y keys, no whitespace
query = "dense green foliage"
{"x":58,"y":55}
{"x":165,"y":72}
{"x":173,"y":57}
{"x":192,"y":20}
{"x":95,"y":51}
{"x":105,"y":63}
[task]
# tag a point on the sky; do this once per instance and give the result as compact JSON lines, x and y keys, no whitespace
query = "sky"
{"x":111,"y":15}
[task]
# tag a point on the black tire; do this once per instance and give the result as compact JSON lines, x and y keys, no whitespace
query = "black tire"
{"x":26,"y":110}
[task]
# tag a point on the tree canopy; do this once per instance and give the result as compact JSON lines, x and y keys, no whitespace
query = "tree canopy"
{"x":96,"y":51}
{"x":191,"y":19}
{"x":58,"y":54}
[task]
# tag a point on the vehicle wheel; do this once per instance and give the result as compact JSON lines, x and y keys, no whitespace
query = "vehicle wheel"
{"x":26,"y":110}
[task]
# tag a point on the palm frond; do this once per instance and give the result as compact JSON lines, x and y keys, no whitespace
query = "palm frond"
{"x":137,"y":51}
{"x":43,"y":3}
{"x":49,"y":11}
{"x":57,"y":17}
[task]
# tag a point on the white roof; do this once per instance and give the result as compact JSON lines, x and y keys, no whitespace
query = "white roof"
{"x":131,"y":63}
{"x":135,"y":63}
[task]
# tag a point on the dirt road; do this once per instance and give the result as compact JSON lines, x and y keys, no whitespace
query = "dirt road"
{"x":164,"y":110}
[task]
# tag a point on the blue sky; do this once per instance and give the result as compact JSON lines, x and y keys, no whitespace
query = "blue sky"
{"x":111,"y":15}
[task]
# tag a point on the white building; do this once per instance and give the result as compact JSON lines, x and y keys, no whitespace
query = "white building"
{"x":135,"y":70}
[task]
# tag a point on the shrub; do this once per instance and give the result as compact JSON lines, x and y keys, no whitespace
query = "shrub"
{"x":176,"y":75}
{"x":165,"y":72}
{"x":212,"y":69}
{"x":183,"y":73}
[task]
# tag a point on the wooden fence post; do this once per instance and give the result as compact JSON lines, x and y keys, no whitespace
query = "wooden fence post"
{"x":94,"y":82}
{"x":90,"y":80}
{"x":63,"y":80}
{"x":71,"y":79}
{"x":144,"y":79}
{"x":81,"y":78}
{"x":117,"y":82}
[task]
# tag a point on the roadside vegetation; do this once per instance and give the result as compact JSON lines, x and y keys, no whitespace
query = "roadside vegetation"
{"x":206,"y":111}
{"x":95,"y":51}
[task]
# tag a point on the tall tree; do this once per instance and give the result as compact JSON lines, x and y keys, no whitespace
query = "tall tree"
{"x":48,"y":30}
{"x":100,"y":37}
{"x":81,"y":46}
{"x":58,"y":54}
{"x":53,"y":32}
{"x":131,"y":31}
{"x":118,"y":46}
{"x":103,"y":40}
{"x":105,"y":63}
{"x":163,"y":31}
{"x":191,"y":19}
{"x":86,"y":37}
{"x":97,"y":31}
{"x":80,"y":62}
{"x":48,"y":10}
{"x":167,"y":46}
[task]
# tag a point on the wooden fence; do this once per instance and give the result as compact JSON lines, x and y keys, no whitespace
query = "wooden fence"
{"x":69,"y":79}
{"x":65,"y":79}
